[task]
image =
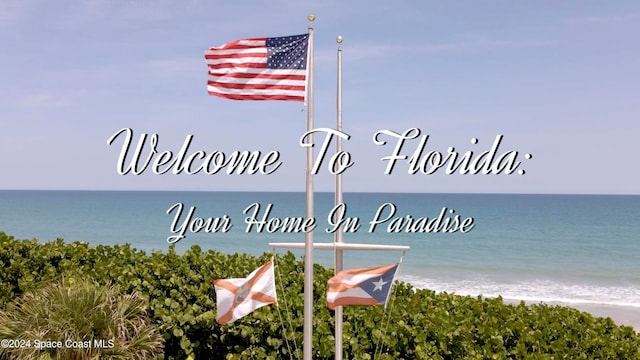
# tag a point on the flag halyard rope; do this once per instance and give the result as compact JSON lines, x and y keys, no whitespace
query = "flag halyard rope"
{"x":284,"y":298}
{"x":392,"y":297}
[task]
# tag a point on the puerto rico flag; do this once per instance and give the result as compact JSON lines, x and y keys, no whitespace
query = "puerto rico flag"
{"x":368,"y":286}
{"x":241,"y":296}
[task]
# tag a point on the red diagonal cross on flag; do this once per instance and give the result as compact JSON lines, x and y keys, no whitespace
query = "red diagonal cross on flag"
{"x":239,"y":297}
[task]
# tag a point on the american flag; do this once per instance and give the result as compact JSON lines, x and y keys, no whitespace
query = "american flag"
{"x":259,"y":68}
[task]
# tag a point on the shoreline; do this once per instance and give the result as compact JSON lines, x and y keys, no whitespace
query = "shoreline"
{"x":616,"y":302}
{"x":621,"y":315}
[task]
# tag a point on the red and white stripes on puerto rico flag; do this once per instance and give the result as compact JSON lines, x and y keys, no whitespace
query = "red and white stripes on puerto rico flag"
{"x":367,"y":286}
{"x":259,"y":68}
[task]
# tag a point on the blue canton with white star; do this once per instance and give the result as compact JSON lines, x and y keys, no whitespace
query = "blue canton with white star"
{"x":378,"y":287}
{"x":287,"y":52}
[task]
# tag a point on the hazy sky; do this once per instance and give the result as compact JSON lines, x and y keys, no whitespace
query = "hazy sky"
{"x":559,"y":80}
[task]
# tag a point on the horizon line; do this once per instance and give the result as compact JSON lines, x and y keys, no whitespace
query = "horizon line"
{"x":328,"y":192}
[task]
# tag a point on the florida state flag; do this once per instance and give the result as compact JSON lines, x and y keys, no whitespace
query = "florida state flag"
{"x":239,"y":297}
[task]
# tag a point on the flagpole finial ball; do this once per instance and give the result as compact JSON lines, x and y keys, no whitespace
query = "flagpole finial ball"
{"x":311,"y":17}
{"x":339,"y":39}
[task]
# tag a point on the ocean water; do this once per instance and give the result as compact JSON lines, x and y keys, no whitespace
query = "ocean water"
{"x":577,"y":250}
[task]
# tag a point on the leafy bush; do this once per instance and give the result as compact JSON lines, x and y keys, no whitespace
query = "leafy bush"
{"x":418,"y":324}
{"x":78,"y":319}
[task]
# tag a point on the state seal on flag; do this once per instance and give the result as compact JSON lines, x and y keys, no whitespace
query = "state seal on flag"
{"x":243,"y":292}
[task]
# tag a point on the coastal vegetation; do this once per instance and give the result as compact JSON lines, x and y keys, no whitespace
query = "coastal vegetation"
{"x":78,"y":319}
{"x":174,"y":299}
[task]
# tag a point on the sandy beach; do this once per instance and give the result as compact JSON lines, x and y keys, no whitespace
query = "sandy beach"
{"x":621,"y":315}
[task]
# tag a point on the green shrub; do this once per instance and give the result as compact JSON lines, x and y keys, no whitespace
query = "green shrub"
{"x":78,"y":319}
{"x":419,"y":324}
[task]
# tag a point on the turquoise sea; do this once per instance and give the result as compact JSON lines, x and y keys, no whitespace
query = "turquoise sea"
{"x":576,"y":250}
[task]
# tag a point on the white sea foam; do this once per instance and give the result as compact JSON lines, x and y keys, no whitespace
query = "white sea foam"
{"x":546,"y":291}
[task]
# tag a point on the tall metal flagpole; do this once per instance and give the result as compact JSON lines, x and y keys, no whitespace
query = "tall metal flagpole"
{"x":307,"y":339}
{"x":338,"y":200}
{"x":337,"y":245}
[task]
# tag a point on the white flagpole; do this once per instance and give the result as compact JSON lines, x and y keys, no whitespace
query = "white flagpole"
{"x":307,"y":339}
{"x":338,"y":200}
